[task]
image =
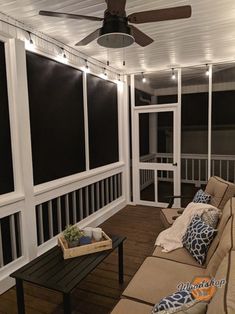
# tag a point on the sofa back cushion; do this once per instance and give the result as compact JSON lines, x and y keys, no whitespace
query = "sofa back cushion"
{"x":220,"y":190}
{"x":226,"y":214}
{"x":224,"y":245}
{"x":224,"y":299}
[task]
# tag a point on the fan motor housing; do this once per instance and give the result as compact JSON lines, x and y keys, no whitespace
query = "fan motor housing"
{"x":115,"y":32}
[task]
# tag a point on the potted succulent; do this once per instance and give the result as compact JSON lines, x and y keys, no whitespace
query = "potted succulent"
{"x":72,"y":235}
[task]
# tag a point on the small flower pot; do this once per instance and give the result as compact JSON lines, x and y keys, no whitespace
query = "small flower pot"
{"x":73,"y":243}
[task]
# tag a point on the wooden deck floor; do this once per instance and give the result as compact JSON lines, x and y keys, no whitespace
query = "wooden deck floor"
{"x":100,"y":291}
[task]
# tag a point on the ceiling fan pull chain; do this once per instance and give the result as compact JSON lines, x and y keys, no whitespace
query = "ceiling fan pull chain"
{"x":124,"y":56}
{"x":108,"y":63}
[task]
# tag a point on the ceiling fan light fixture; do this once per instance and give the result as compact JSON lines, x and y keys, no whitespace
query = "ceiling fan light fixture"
{"x":115,"y":40}
{"x":115,"y":33}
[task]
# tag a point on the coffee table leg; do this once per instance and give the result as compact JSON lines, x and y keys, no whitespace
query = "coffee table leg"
{"x":67,"y":303}
{"x":20,"y":296}
{"x":120,"y":262}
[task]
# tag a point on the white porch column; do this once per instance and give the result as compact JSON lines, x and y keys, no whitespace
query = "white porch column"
{"x":20,"y":96}
{"x":153,"y":129}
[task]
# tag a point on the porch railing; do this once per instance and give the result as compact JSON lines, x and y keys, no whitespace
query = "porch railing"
{"x":194,"y":168}
{"x":87,"y":198}
{"x":55,"y":214}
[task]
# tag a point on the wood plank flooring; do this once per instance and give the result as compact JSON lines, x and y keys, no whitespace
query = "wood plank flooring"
{"x":100,"y":291}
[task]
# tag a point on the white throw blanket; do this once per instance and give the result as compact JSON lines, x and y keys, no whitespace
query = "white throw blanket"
{"x":171,"y":238}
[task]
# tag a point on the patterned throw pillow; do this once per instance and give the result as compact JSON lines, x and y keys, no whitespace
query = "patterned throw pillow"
{"x":201,"y":197}
{"x":173,"y":302}
{"x":211,"y":217}
{"x":198,"y":238}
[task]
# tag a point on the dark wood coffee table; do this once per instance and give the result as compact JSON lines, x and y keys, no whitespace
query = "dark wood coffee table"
{"x":51,"y":271}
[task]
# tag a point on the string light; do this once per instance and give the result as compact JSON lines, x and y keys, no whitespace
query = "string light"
{"x":104,"y":74}
{"x":173,"y":76}
{"x":30,"y":39}
{"x":86,"y":67}
{"x":30,"y":45}
{"x":143,"y":78}
{"x":64,"y":55}
{"x":207,"y":70}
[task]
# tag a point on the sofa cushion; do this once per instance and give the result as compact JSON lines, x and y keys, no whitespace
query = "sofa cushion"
{"x":179,"y":255}
{"x":220,"y":190}
{"x":230,"y":291}
{"x":198,"y":238}
{"x":168,"y":216}
{"x":126,"y":306}
{"x":131,"y":307}
{"x":226,"y":214}
{"x":151,"y":282}
{"x":201,"y":197}
{"x":194,"y":308}
{"x":224,"y":299}
{"x":225,"y":244}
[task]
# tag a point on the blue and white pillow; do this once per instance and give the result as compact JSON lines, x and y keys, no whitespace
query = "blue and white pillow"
{"x":201,"y":197}
{"x":198,"y":238}
{"x":173,"y":301}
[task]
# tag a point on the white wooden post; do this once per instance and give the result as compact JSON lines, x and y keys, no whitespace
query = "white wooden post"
{"x":209,"y":121}
{"x":86,"y":122}
{"x":153,"y":133}
{"x":20,"y":95}
{"x":124,"y":136}
{"x":135,"y":139}
{"x":177,"y":188}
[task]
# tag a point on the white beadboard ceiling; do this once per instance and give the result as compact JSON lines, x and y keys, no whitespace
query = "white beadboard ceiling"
{"x":208,"y":36}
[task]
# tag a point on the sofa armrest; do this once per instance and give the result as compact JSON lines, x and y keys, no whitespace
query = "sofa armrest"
{"x":172,"y":197}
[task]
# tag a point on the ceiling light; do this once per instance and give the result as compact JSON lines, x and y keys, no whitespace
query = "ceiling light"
{"x":118,"y":80}
{"x":104,"y":74}
{"x":86,"y":67}
{"x":29,"y":44}
{"x":115,"y":33}
{"x":30,"y":39}
{"x":173,"y":76}
{"x":143,"y":78}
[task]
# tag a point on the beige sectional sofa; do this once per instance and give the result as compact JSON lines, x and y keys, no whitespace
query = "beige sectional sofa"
{"x":160,"y":274}
{"x":220,"y":190}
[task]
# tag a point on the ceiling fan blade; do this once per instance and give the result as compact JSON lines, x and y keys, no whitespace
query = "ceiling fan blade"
{"x":116,"y":6}
{"x":70,"y":16}
{"x":140,"y":38}
{"x":161,"y":15}
{"x":89,"y":38}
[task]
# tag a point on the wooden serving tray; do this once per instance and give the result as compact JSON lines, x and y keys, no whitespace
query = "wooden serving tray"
{"x":96,"y":246}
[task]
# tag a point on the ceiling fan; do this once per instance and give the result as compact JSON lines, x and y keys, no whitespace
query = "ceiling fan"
{"x":116,"y":31}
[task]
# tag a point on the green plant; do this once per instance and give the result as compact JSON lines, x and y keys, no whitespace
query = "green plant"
{"x":72,"y":233}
